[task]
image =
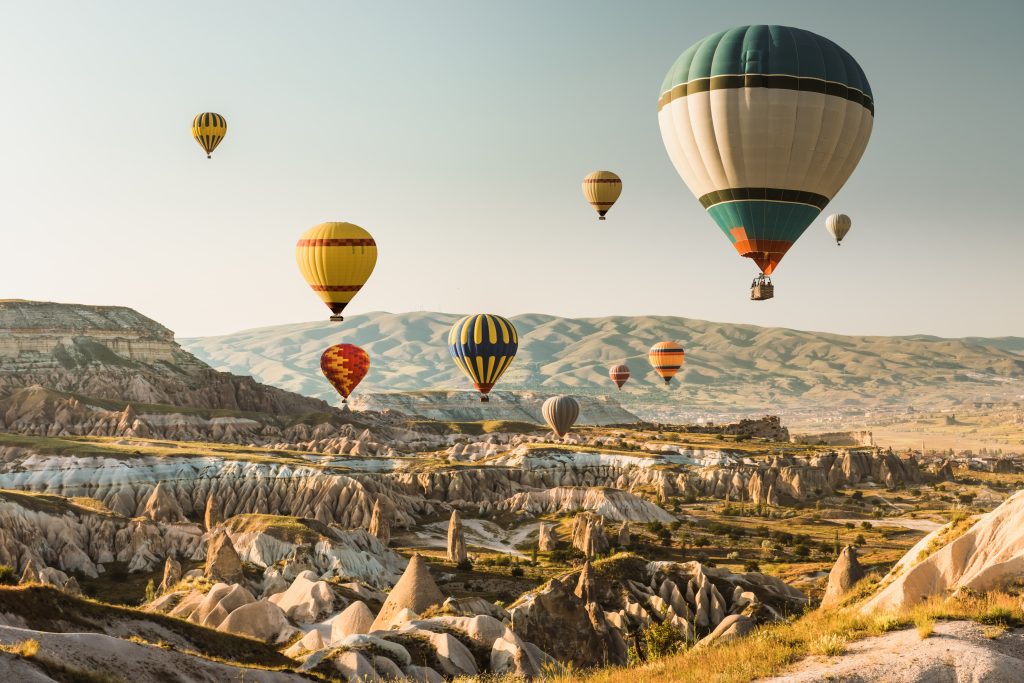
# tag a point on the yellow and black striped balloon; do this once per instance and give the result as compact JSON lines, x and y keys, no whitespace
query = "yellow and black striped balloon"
{"x":483,"y":346}
{"x":209,"y":129}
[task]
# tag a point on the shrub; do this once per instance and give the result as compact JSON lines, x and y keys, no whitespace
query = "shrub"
{"x":8,"y":577}
{"x":751,"y":566}
{"x":464,"y":565}
{"x":661,"y":640}
{"x":150,"y":591}
{"x":866,"y":525}
{"x":517,"y":571}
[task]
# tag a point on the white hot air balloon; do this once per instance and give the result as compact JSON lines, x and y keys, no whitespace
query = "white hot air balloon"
{"x":838,"y":225}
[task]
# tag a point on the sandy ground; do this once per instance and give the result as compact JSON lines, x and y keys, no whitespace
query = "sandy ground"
{"x":957,"y":652}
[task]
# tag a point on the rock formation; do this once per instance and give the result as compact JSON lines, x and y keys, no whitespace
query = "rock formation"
{"x":588,"y":535}
{"x":162,"y":506}
{"x":984,"y":556}
{"x":546,"y":540}
{"x":415,"y":591}
{"x":29,"y":574}
{"x":456,"y":540}
{"x":172,"y":574}
{"x":222,"y":561}
{"x":379,"y":526}
{"x":624,"y":539}
{"x":846,"y":572}
{"x":211,"y":514}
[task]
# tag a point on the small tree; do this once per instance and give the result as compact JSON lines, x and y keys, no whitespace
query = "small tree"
{"x":8,"y":577}
{"x":150,"y":591}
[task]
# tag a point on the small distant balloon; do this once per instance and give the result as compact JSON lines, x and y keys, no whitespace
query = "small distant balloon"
{"x":602,"y":189}
{"x":666,"y":358}
{"x":345,"y":366}
{"x":838,"y":224}
{"x":209,"y":129}
{"x":619,"y":374}
{"x":560,"y":412}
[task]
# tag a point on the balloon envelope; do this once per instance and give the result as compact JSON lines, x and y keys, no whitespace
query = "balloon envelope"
{"x":336,"y":259}
{"x":666,"y":358}
{"x":345,"y":366}
{"x":619,"y":374}
{"x":602,"y":189}
{"x":209,"y":129}
{"x":560,"y":412}
{"x":483,"y":346}
{"x":765,"y":124}
{"x":838,"y":224}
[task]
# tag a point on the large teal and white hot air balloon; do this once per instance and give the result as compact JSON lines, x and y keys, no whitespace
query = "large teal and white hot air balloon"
{"x":765,"y":124}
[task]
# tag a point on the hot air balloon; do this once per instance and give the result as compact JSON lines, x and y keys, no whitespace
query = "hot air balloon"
{"x":602,"y":188}
{"x":344,"y":366}
{"x":209,"y":129}
{"x":765,"y":124}
{"x":560,"y":412}
{"x":336,"y":259}
{"x":483,"y":346}
{"x":619,"y":374}
{"x":838,"y":224}
{"x":666,"y":358}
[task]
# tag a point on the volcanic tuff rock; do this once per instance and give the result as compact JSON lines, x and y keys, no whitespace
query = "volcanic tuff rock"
{"x":588,"y":534}
{"x":415,"y":591}
{"x":379,"y":526}
{"x":625,"y":594}
{"x":986,"y":556}
{"x":611,"y":503}
{"x":222,"y":561}
{"x":844,"y":575}
{"x":110,"y":352}
{"x":546,"y":537}
{"x":456,"y":539}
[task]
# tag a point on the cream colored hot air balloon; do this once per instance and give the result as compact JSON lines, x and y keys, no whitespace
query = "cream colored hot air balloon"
{"x":838,"y":225}
{"x":336,"y":259}
{"x":602,"y":189}
{"x":560,"y":412}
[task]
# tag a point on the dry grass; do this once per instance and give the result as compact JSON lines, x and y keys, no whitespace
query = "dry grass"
{"x":772,"y":648}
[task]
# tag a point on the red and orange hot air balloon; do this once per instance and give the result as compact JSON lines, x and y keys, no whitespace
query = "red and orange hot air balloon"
{"x":345,"y":366}
{"x":666,"y":358}
{"x":619,"y":374}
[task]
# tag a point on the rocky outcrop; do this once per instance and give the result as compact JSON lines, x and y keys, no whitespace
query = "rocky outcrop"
{"x":546,"y":540}
{"x":163,"y":507}
{"x":624,"y":537}
{"x":172,"y":575}
{"x":612,"y":504}
{"x":588,"y":535}
{"x":986,"y":555}
{"x":211,"y":514}
{"x":222,"y":561}
{"x":379,"y":526}
{"x":456,"y":540}
{"x":114,"y":353}
{"x":624,"y":594}
{"x":353,"y":620}
{"x":307,"y":600}
{"x":260,"y":620}
{"x":80,"y":540}
{"x":415,"y":591}
{"x":846,"y":572}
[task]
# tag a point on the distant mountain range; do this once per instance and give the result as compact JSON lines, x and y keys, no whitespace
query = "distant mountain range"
{"x":729,"y":368}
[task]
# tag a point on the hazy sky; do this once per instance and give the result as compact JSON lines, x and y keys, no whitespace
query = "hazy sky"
{"x":457,"y":133}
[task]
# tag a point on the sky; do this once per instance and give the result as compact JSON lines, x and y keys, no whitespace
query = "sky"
{"x":457,"y":133}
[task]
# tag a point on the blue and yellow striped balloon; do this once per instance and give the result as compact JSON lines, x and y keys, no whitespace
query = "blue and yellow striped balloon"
{"x":483,"y":346}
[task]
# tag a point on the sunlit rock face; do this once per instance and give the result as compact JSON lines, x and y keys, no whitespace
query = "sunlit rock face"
{"x":115,"y":353}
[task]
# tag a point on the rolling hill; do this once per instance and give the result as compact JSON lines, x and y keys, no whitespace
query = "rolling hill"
{"x":730,"y":369}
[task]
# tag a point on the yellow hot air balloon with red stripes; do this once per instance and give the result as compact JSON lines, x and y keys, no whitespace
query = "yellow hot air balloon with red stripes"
{"x":336,"y":259}
{"x":666,"y":358}
{"x":602,"y":190}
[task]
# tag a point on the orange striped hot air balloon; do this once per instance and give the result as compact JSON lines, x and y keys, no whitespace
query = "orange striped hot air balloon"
{"x":619,"y":374}
{"x":345,"y":366}
{"x":666,"y":358}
